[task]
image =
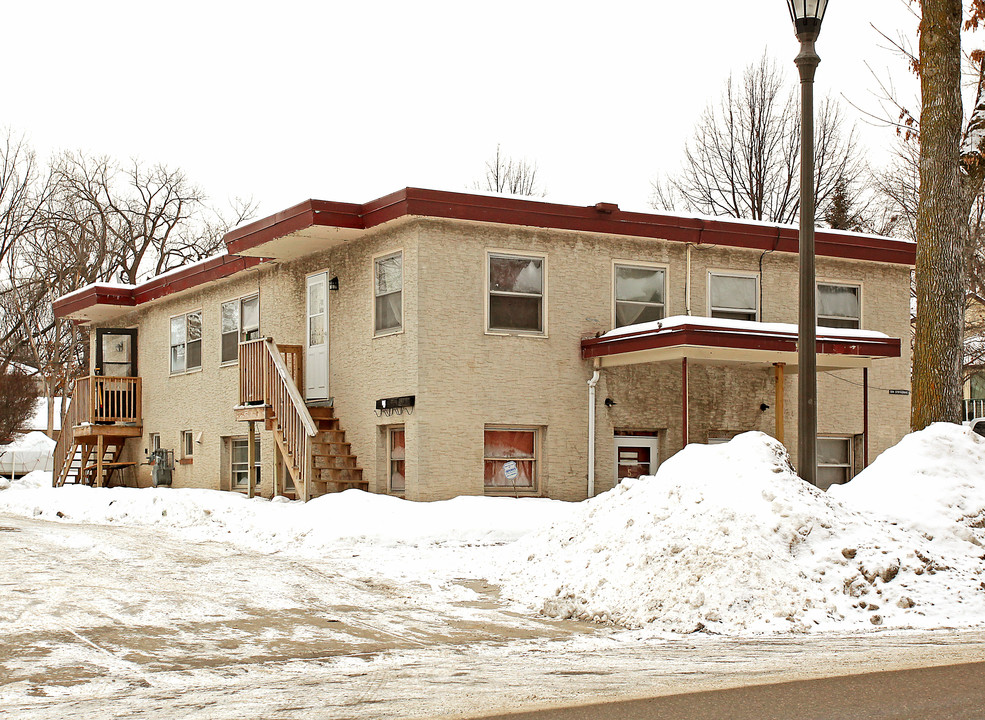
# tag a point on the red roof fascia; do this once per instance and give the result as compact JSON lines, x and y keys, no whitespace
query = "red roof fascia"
{"x":299,"y":217}
{"x":94,"y":295}
{"x":218,"y":267}
{"x":733,"y":338}
{"x":534,"y":213}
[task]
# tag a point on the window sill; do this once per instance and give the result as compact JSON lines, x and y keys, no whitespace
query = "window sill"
{"x":185,"y":461}
{"x":517,"y":333}
{"x":193,"y":371}
{"x":388,"y":333}
{"x":510,"y":492}
{"x":229,"y":363}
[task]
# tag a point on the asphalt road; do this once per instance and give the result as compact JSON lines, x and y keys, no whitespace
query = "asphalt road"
{"x":950,"y":692}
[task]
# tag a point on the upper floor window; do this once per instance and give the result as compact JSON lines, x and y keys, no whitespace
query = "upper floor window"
{"x":838,"y":306}
{"x":186,"y":342}
{"x":640,"y":293}
{"x":388,"y":272}
{"x":240,"y":321}
{"x":733,"y":297}
{"x":516,"y":293}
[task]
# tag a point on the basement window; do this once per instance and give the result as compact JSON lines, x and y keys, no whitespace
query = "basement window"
{"x":834,"y":461}
{"x":398,"y":454}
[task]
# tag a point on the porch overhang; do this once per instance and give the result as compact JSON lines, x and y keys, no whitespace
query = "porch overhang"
{"x":735,"y":342}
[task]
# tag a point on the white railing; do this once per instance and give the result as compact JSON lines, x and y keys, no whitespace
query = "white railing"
{"x":265,"y":377}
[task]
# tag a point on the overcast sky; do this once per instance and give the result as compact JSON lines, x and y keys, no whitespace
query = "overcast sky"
{"x":352,"y":100}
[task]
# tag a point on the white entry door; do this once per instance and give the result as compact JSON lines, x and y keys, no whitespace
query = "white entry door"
{"x":635,"y":456}
{"x":316,"y":355}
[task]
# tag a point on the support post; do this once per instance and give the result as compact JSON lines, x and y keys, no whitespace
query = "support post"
{"x":684,"y":398}
{"x":778,"y":400}
{"x":278,"y":476}
{"x":99,"y":461}
{"x":251,"y":477}
{"x":865,"y":418}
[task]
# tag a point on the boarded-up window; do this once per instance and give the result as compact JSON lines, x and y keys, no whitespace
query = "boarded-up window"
{"x":508,"y":450}
{"x":398,"y":443}
{"x":516,"y":293}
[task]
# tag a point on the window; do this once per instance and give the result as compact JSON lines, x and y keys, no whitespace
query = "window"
{"x":733,"y":297}
{"x":639,"y":294}
{"x":506,"y":450}
{"x":834,"y":461}
{"x":154,"y":442}
{"x":388,"y":272}
{"x":516,"y":293}
{"x":398,"y":446}
{"x":186,"y":342}
{"x":240,"y":462}
{"x":838,"y":306}
{"x":636,"y":455}
{"x":240,"y":321}
{"x":187,"y":443}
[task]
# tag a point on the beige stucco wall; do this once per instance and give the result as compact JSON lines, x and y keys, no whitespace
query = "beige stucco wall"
{"x":465,"y":378}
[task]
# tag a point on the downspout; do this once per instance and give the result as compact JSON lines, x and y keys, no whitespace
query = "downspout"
{"x":591,"y":432}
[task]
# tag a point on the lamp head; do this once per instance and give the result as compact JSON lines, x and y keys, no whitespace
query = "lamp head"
{"x":807,"y":16}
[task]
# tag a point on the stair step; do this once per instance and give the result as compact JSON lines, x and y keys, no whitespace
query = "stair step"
{"x":341,"y":486}
{"x":328,"y":462}
{"x":327,"y":436}
{"x":331,"y":448}
{"x":340,"y":475}
{"x":318,"y":412}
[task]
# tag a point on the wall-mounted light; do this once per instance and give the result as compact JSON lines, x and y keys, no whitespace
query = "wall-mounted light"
{"x":764,"y":407}
{"x":609,"y":402}
{"x":333,"y":284}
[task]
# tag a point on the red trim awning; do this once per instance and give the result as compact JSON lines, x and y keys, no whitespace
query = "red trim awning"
{"x":750,"y":343}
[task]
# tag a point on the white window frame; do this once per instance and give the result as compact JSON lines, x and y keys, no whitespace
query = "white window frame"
{"x":840,"y":283}
{"x":735,"y":274}
{"x":201,"y":328}
{"x":850,"y":464}
{"x":639,"y":264}
{"x":187,"y":443}
{"x":233,"y":441}
{"x":154,"y":441}
{"x":241,"y":332}
{"x":538,"y":432}
{"x":496,"y":252}
{"x":389,"y":450}
{"x":376,"y":296}
{"x":652,"y":441}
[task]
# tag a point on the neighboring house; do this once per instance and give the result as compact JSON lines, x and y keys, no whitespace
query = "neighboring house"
{"x":432,"y":344}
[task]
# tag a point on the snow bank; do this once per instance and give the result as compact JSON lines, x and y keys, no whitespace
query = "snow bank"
{"x":932,"y":481}
{"x":728,"y":539}
{"x":348,"y":517}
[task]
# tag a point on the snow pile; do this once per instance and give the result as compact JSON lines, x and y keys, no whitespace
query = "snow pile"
{"x":348,"y":517}
{"x":932,"y":481}
{"x":728,"y":539}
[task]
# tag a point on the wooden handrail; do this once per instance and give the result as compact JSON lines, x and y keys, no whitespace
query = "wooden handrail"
{"x":292,"y":390}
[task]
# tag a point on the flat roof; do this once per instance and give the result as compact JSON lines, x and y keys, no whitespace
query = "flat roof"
{"x":315,"y":225}
{"x":739,"y":342}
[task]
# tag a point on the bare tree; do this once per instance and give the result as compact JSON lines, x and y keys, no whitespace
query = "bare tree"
{"x":744,"y":160}
{"x":505,"y":174}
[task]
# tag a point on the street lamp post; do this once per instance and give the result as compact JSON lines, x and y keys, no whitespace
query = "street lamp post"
{"x":807,"y":16}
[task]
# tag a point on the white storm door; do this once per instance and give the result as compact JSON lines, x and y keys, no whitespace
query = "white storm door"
{"x":635,"y":456}
{"x":316,"y":353}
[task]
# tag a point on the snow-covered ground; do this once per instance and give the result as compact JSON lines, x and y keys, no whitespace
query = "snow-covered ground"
{"x":113,"y":591}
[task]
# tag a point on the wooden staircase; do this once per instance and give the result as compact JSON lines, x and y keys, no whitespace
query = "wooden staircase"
{"x":310,"y":439}
{"x":82,"y":463}
{"x":101,"y":415}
